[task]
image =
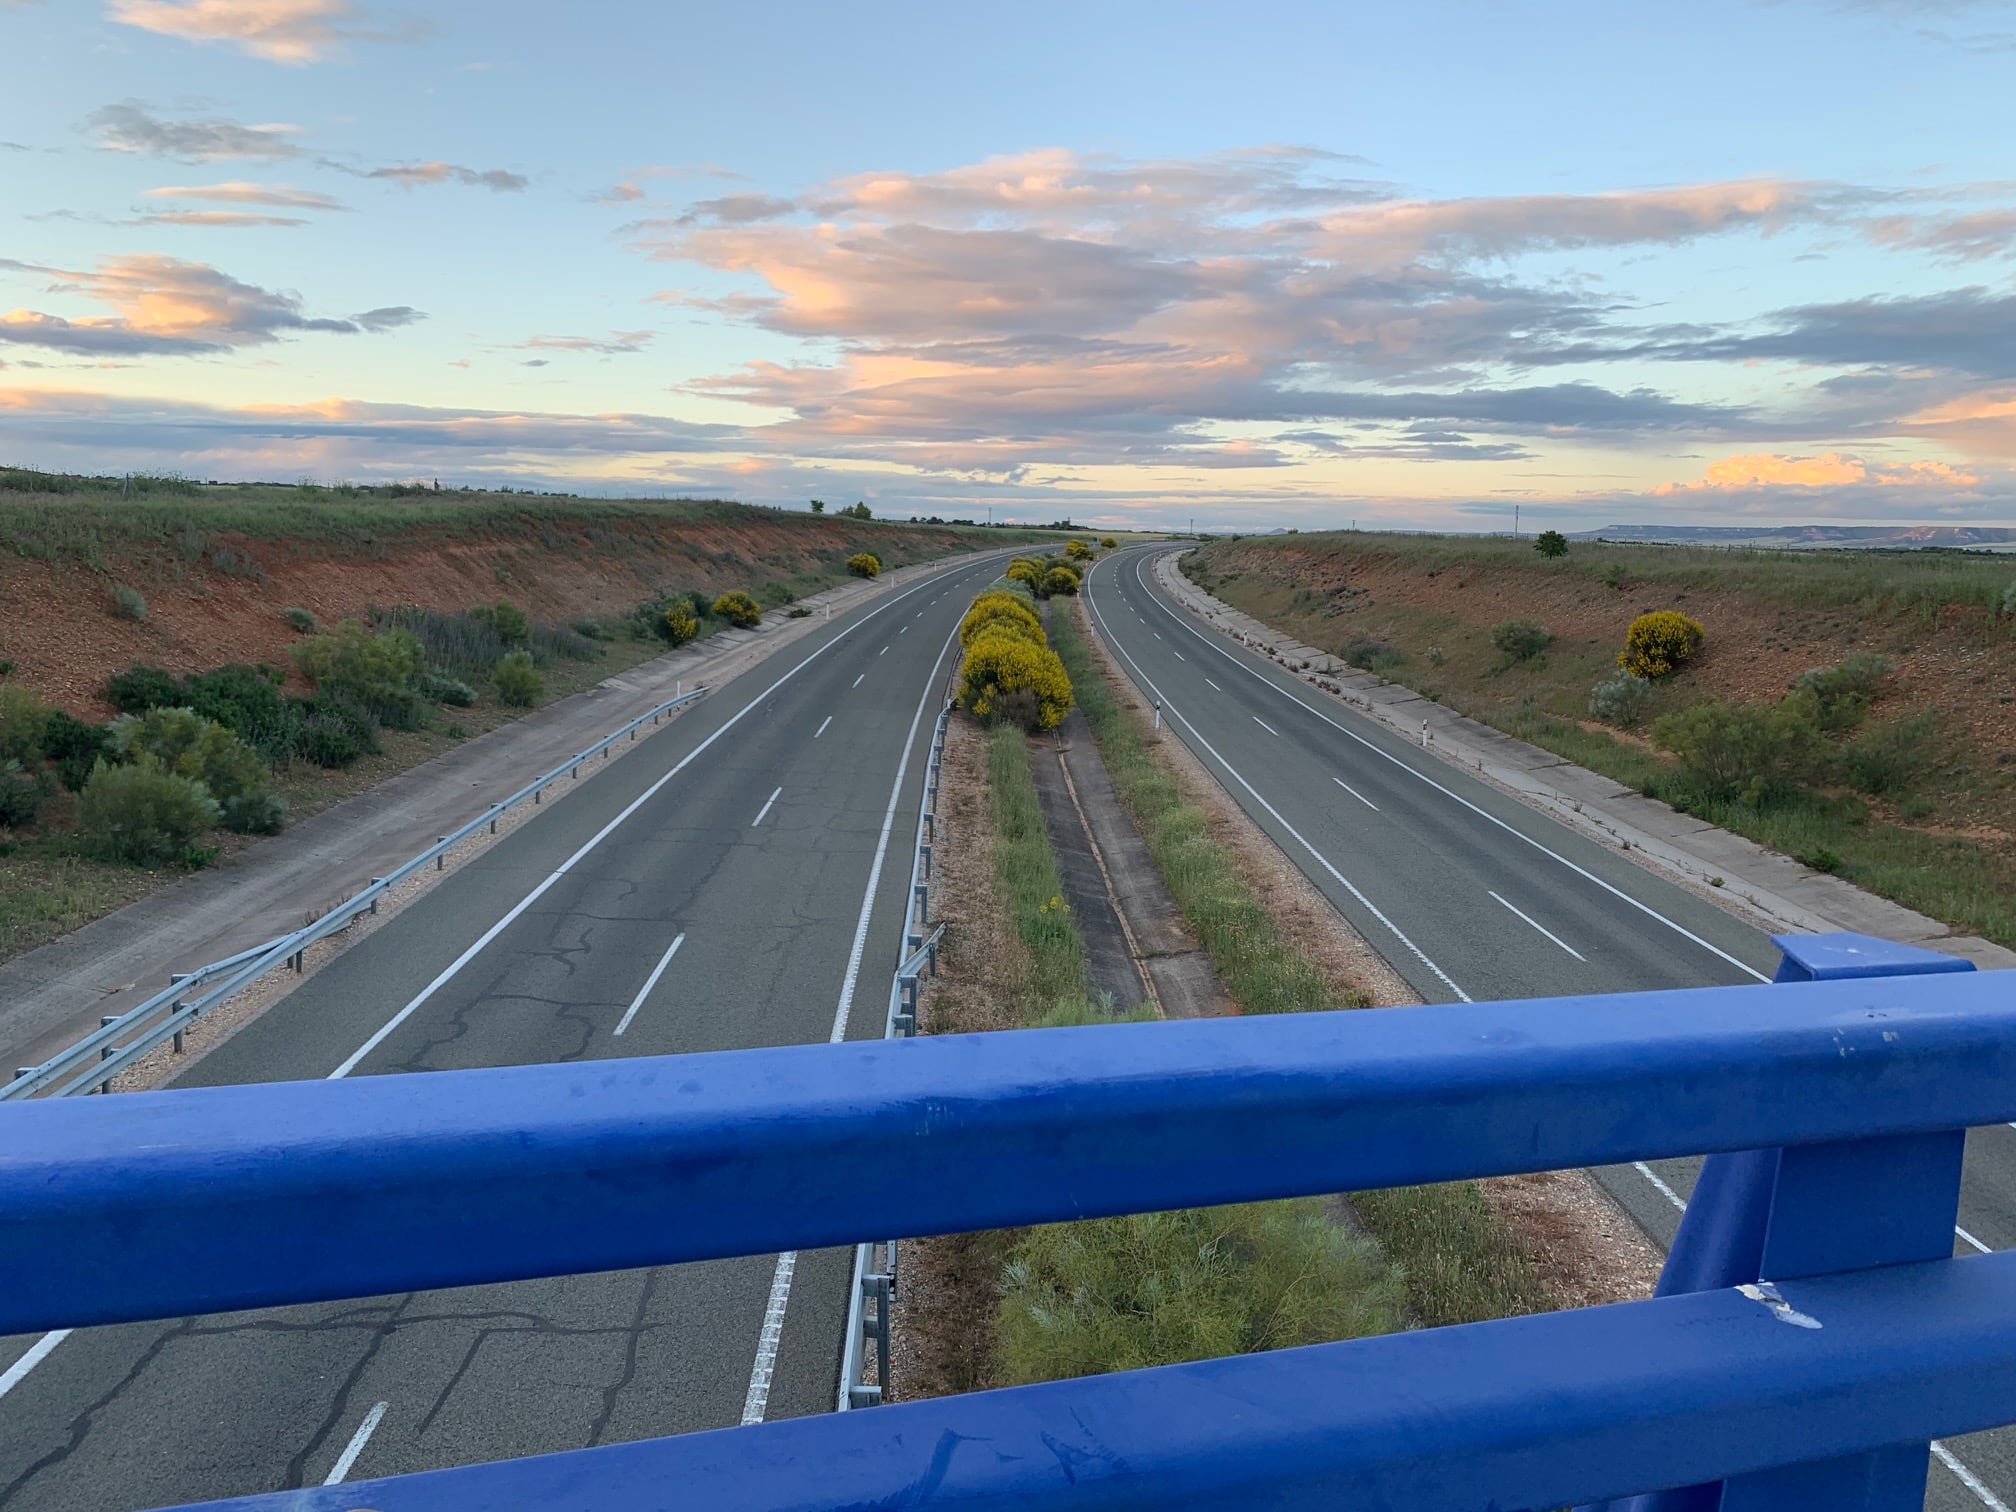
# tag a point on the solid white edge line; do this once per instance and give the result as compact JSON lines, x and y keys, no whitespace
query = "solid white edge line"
{"x":37,"y":1353}
{"x":1324,"y":861}
{"x":1968,"y":1478}
{"x":757,"y":1401}
{"x":1356,"y":794}
{"x":1545,"y":931}
{"x":1979,"y":1247}
{"x":1644,"y":908}
{"x":1664,"y":1190}
{"x":341,"y":1470}
{"x":651,"y":981}
{"x":600,"y":835}
{"x":765,"y":809}
{"x":822,"y":727}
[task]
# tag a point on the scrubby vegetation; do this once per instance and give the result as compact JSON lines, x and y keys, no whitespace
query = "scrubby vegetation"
{"x":1009,"y":673}
{"x":739,"y":610}
{"x":1659,"y":644}
{"x":865,"y":564}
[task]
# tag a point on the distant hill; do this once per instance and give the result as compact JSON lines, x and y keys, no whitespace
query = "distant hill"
{"x":1865,"y":537}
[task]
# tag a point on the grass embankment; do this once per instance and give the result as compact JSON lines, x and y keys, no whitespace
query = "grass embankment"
{"x":1934,"y":827}
{"x":1456,"y":1263}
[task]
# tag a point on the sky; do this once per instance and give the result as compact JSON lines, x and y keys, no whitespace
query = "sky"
{"x":1255,"y":266}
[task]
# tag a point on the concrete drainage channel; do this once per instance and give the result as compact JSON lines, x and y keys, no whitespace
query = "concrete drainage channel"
{"x":123,"y":1041}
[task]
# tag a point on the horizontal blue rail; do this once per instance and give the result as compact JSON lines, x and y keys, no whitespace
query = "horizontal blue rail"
{"x":1832,"y":1105}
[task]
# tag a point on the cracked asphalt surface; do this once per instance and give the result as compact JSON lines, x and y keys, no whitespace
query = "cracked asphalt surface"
{"x":153,"y":1414}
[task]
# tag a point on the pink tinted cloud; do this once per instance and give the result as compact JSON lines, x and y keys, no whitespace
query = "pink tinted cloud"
{"x":281,"y":31}
{"x":1755,"y":470}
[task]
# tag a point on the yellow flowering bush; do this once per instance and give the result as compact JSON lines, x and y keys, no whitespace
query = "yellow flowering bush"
{"x":864,"y":564}
{"x":999,"y":608}
{"x":1009,"y":676}
{"x":1660,"y":643}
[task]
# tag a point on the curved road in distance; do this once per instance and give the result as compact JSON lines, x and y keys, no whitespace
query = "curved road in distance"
{"x":738,"y":882}
{"x":1468,"y":893}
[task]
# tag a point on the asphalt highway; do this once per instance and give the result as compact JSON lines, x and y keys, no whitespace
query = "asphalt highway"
{"x":1470,"y":894}
{"x":739,"y":881}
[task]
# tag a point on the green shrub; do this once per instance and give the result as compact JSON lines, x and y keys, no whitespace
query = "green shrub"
{"x":183,"y":742}
{"x":1107,"y":542}
{"x":451,"y":691}
{"x":248,"y":702}
{"x":21,"y":796}
{"x":334,"y":732}
{"x":1621,"y":700}
{"x":141,"y":687}
{"x":1521,"y":639}
{"x":301,"y":619}
{"x":518,"y":681}
{"x":739,"y":609}
{"x":1844,"y":691}
{"x":1059,"y":580}
{"x":74,"y":746}
{"x":1889,"y":757}
{"x":24,"y":721}
{"x":1158,"y":1288}
{"x":512,"y":624}
{"x":678,"y":624}
{"x":1077,"y":550}
{"x":1369,"y":655}
{"x":380,"y":673}
{"x":865,"y":564}
{"x":127,"y":603}
{"x":1551,"y":544}
{"x":142,"y":814}
{"x":592,"y":629}
{"x":1758,"y":753}
{"x":1660,"y":644}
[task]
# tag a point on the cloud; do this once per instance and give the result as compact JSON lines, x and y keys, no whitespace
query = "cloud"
{"x":281,"y":31}
{"x":1969,"y":330}
{"x":412,"y":174}
{"x":214,"y":218}
{"x":1832,"y":470}
{"x":131,"y":126}
{"x":240,"y":192}
{"x":1968,"y":237}
{"x":166,"y":306}
{"x":615,"y":342}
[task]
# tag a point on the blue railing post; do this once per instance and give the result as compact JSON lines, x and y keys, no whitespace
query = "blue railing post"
{"x":1808,"y":1211}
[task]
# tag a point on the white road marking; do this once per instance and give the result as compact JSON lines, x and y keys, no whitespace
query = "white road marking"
{"x":883,"y":652}
{"x":765,"y":809}
{"x":901,"y":630}
{"x":856,"y":683}
{"x":1322,"y":860}
{"x":1979,"y":1247}
{"x":1664,"y":1190}
{"x":448,"y":975}
{"x":1356,"y":794}
{"x":651,"y":981}
{"x":757,"y":1402}
{"x":1178,"y":654}
{"x":37,"y":1353}
{"x":1208,"y":680}
{"x":355,"y":1447}
{"x":1617,"y":892}
{"x":1266,"y":726}
{"x":822,"y":727}
{"x":1969,"y":1479}
{"x":1546,"y":931}
{"x":1156,"y":633}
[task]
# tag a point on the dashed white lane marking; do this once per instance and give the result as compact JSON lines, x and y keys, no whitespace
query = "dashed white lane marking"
{"x":822,"y":727}
{"x":37,"y":1353}
{"x":1482,"y":813}
{"x":1266,"y":726}
{"x":765,"y":809}
{"x":1221,"y":690}
{"x":348,"y":1458}
{"x":1543,"y":929}
{"x":1356,"y":794}
{"x":857,"y":682}
{"x":900,"y":630}
{"x":883,"y":652}
{"x":757,"y":1401}
{"x":1179,"y":655}
{"x":651,"y":981}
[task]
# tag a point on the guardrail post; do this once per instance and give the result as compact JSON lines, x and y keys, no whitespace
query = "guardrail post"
{"x":376,"y":882}
{"x":924,"y":859}
{"x":920,"y":900}
{"x":1759,"y":1217}
{"x":441,"y":861}
{"x":174,"y":1008}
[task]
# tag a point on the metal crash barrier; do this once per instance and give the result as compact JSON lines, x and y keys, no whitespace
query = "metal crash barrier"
{"x":1808,"y":1369}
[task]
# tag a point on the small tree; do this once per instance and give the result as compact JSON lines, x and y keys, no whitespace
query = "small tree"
{"x":512,"y":624}
{"x":1521,"y":639}
{"x":1660,"y":644}
{"x":1551,"y":543}
{"x":518,"y":681}
{"x":865,"y":564}
{"x":1757,"y":753}
{"x":818,"y":506}
{"x":739,"y":609}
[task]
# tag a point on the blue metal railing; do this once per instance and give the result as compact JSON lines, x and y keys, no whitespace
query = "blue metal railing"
{"x":1817,"y":1387}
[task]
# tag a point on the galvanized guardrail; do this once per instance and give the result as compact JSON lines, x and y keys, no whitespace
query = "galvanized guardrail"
{"x":872,"y":1293}
{"x":121,"y":1039}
